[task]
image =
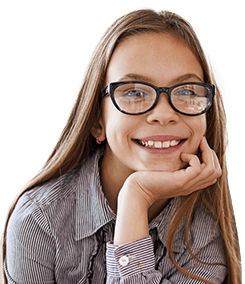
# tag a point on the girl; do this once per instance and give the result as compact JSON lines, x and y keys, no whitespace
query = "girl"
{"x":136,"y":188}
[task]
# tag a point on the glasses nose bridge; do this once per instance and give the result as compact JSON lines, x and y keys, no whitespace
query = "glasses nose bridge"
{"x":161,"y":90}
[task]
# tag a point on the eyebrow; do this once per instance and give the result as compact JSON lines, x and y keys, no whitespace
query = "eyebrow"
{"x":187,"y":77}
{"x":138,"y":77}
{"x":132,"y":76}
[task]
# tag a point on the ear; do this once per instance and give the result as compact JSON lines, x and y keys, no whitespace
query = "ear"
{"x":98,"y":131}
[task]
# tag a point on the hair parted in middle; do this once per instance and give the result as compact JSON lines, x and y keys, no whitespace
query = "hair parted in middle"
{"x":76,"y":143}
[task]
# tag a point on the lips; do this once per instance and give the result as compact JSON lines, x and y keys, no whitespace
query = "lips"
{"x":162,"y":138}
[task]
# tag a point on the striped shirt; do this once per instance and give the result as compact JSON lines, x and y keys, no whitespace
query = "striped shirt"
{"x":62,"y":232}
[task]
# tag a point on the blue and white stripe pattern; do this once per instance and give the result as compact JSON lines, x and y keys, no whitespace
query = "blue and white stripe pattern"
{"x":62,"y":232}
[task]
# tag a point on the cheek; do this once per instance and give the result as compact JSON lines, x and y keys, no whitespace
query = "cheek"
{"x":116,"y":125}
{"x":108,"y":116}
{"x":198,"y":126}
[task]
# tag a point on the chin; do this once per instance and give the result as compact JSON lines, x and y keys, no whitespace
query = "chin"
{"x":167,"y":167}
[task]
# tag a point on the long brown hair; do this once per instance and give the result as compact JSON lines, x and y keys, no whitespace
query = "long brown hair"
{"x":76,"y":143}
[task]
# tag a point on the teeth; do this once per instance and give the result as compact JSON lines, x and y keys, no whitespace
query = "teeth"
{"x":150,"y":143}
{"x":159,"y":144}
{"x":174,"y":143}
{"x":166,"y":144}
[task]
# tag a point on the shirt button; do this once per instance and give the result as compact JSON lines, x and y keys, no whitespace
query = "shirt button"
{"x":124,"y":260}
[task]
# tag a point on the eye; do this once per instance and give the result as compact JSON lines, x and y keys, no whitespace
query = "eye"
{"x":185,"y":92}
{"x":135,"y":94}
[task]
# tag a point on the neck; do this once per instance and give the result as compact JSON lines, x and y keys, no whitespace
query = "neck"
{"x":112,"y":179}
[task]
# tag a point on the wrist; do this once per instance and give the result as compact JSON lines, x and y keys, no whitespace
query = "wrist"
{"x":132,"y":216}
{"x":133,"y":192}
{"x":131,"y":199}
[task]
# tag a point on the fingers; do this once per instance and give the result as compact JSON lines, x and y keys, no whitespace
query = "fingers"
{"x":207,"y":156}
{"x":205,"y":174}
{"x":191,"y":159}
{"x":210,"y":164}
{"x":154,"y":185}
{"x":194,"y":168}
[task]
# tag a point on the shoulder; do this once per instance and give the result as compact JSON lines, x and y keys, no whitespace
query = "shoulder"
{"x":55,"y":200}
{"x":204,"y":230}
{"x":205,"y":239}
{"x":53,"y":191}
{"x":30,"y":237}
{"x":32,"y":204}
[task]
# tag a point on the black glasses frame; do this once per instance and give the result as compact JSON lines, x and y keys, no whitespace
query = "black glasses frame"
{"x":109,"y":90}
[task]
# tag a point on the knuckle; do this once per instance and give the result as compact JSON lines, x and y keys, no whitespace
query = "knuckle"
{"x":179,"y":183}
{"x":198,"y":170}
{"x":210,"y":171}
{"x":214,"y":172}
{"x":219,"y":172}
{"x":213,"y":181}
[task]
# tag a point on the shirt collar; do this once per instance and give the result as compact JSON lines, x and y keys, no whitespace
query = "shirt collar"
{"x":92,"y":208}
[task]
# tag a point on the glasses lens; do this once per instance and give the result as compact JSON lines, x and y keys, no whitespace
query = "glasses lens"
{"x":134,"y":98}
{"x":191,"y":99}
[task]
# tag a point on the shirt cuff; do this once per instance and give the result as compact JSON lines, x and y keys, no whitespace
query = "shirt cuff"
{"x":130,"y":259}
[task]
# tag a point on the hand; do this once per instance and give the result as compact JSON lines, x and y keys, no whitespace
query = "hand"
{"x":150,"y":186}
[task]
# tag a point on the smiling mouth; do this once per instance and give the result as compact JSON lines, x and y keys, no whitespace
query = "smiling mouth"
{"x":159,"y":144}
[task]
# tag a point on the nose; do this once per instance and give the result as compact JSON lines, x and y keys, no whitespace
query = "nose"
{"x":163,"y":113}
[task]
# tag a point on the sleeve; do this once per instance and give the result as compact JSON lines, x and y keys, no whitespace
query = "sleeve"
{"x":135,"y":263}
{"x":30,"y":248}
{"x":132,"y":263}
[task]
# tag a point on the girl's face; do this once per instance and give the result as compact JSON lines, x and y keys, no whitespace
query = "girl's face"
{"x":162,"y":60}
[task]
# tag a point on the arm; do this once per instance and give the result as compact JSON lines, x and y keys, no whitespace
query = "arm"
{"x":134,"y":262}
{"x":139,"y":192}
{"x":30,"y":248}
{"x":142,"y":189}
{"x":132,"y":216}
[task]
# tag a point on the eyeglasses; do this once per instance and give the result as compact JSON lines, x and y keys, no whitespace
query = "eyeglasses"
{"x":135,"y":97}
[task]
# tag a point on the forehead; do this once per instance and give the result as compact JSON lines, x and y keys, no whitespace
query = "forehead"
{"x":160,"y":57}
